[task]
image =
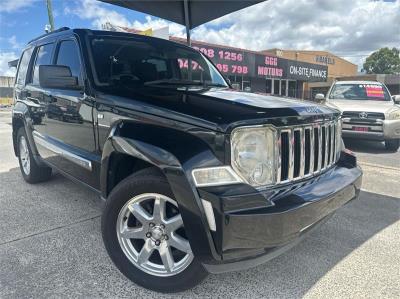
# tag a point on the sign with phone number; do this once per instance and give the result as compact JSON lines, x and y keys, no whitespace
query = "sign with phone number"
{"x":228,"y":61}
{"x":245,"y":63}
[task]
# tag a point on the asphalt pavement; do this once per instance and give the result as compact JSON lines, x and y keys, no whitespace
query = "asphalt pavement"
{"x":51,"y":246}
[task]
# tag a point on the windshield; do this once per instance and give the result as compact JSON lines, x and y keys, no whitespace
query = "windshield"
{"x":376,"y":92}
{"x":136,"y":62}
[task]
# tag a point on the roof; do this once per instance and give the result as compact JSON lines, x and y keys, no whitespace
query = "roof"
{"x":68,"y":31}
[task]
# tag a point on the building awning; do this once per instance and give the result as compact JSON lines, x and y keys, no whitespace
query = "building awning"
{"x":190,"y":13}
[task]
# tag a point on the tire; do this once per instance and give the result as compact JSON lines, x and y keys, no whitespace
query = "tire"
{"x":392,"y":145}
{"x":134,"y":189}
{"x":30,"y":170}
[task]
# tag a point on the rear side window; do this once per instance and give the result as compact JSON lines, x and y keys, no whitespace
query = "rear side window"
{"x":43,"y":57}
{"x":68,"y":55}
{"x":23,"y":66}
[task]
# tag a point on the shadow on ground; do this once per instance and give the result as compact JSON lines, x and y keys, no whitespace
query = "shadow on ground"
{"x":366,"y":146}
{"x":52,"y":247}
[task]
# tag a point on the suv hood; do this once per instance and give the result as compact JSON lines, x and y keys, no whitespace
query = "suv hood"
{"x":219,"y":109}
{"x":361,"y":106}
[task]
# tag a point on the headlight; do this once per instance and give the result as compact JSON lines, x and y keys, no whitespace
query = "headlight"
{"x":253,"y":154}
{"x":394,"y":114}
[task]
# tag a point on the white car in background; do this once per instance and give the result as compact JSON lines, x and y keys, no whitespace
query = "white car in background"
{"x":368,"y":111}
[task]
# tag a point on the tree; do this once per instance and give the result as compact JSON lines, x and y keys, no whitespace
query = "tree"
{"x":383,"y":61}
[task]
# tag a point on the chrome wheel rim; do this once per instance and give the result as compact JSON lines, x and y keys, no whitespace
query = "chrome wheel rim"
{"x":151,"y":235}
{"x":24,"y":155}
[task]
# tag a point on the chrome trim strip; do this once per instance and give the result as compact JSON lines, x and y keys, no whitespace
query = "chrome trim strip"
{"x":278,"y":151}
{"x":40,"y":139}
{"x":291,"y":154}
{"x":311,"y":170}
{"x":319,"y":127}
{"x":326,"y":126}
{"x":334,"y":142}
{"x":302,"y":152}
{"x":329,"y":150}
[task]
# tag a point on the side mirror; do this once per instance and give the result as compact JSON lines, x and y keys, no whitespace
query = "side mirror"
{"x":57,"y":76}
{"x":396,"y":99}
{"x":319,"y":97}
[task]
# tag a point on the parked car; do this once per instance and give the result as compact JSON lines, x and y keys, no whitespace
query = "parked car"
{"x":197,"y":178}
{"x":368,"y":111}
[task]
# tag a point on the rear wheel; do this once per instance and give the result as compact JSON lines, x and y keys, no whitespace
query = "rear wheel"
{"x":31,"y":171}
{"x":144,"y":235}
{"x":392,"y":144}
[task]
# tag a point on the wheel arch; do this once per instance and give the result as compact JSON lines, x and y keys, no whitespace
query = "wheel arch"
{"x":134,"y":154}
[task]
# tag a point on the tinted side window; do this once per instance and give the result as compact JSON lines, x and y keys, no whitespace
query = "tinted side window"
{"x":23,"y":66}
{"x":43,"y":57}
{"x":68,"y":55}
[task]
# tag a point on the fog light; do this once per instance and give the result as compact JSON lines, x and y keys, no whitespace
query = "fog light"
{"x":215,"y":176}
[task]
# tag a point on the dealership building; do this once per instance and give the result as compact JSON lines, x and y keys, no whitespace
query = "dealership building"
{"x":262,"y":72}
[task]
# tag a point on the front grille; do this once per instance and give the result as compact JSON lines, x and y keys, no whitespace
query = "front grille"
{"x":306,"y":150}
{"x":363,"y":115}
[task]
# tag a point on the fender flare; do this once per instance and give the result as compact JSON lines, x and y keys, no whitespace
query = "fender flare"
{"x":181,"y":184}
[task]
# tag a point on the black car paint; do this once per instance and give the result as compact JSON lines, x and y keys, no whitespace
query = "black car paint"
{"x":176,"y":131}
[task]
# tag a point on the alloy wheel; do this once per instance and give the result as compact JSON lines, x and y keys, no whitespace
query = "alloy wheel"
{"x":24,"y":155}
{"x":151,"y":234}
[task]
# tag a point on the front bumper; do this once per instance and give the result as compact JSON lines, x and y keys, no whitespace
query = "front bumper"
{"x":253,"y":228}
{"x":387,"y":129}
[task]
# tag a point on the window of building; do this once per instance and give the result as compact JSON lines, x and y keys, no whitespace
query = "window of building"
{"x":292,"y":89}
{"x":68,"y":55}
{"x":276,"y":86}
{"x":43,"y":57}
{"x":23,"y":66}
{"x":268,"y":86}
{"x":283,"y":87}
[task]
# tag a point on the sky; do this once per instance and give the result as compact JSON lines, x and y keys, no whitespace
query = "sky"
{"x":350,"y":29}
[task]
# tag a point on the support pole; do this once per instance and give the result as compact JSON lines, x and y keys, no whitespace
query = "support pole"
{"x":187,"y":24}
{"x":50,"y":14}
{"x":187,"y":21}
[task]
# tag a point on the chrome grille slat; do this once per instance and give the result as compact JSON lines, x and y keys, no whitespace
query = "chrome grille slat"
{"x":302,"y":152}
{"x":319,"y":128}
{"x":291,"y":154}
{"x":311,"y":150}
{"x":301,"y":142}
{"x":278,"y":155}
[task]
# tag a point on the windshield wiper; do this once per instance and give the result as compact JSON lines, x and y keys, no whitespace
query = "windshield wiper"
{"x":215,"y":85}
{"x":172,"y":82}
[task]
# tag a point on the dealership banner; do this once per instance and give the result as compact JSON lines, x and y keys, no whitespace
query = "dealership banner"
{"x":275,"y":67}
{"x":249,"y":64}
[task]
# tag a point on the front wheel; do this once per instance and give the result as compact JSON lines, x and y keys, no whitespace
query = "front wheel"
{"x":144,"y":235}
{"x":392,"y":144}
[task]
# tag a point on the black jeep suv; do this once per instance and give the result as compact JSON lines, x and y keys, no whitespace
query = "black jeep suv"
{"x":197,"y":178}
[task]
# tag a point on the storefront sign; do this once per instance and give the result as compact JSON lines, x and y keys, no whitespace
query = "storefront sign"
{"x":306,"y":71}
{"x":268,"y":66}
{"x":229,"y":61}
{"x":249,"y":64}
{"x":324,"y":59}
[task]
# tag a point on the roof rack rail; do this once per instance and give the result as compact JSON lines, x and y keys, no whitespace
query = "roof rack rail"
{"x":51,"y":32}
